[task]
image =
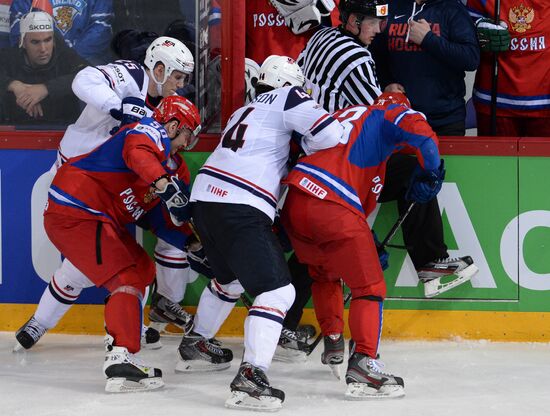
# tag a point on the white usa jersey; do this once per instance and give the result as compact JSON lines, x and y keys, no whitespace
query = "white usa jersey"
{"x":250,"y":160}
{"x":102,"y":88}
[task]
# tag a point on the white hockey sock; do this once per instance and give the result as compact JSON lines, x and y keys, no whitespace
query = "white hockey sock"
{"x":64,"y":288}
{"x":263,"y":325}
{"x":173,"y":271}
{"x":215,"y":304}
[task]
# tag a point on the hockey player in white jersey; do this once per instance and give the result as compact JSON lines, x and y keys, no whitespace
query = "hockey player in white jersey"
{"x":116,"y":94}
{"x":236,"y":193}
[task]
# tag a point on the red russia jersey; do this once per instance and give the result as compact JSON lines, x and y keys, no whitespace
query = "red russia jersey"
{"x":352,"y":174}
{"x":267,"y":33}
{"x":113,"y":182}
{"x":523,"y":76}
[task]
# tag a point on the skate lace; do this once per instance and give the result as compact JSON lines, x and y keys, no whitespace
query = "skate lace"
{"x":133,"y":359}
{"x":447,"y":260}
{"x":34,"y":329}
{"x":178,"y":310}
{"x":378,"y":367}
{"x":289,"y":334}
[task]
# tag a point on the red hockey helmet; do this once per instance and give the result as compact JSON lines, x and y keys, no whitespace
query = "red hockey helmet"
{"x":181,"y":109}
{"x":387,"y":98}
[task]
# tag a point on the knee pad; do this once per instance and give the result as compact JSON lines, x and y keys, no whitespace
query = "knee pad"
{"x":67,"y":283}
{"x":273,"y":304}
{"x":229,"y":292}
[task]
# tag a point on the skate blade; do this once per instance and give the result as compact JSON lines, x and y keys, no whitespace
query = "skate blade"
{"x":18,"y":347}
{"x":122,"y":385}
{"x":243,"y":401}
{"x":167,"y":329}
{"x":289,"y":355}
{"x":435,"y":287}
{"x":199,"y":366}
{"x":362,"y":391}
{"x":336,"y":370}
{"x":152,"y":346}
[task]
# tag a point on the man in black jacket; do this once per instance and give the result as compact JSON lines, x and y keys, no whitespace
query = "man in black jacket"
{"x":35,"y":79}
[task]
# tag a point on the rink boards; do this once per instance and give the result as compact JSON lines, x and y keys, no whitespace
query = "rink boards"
{"x":495,"y":205}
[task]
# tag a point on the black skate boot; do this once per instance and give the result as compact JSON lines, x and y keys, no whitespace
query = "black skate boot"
{"x":333,"y":355}
{"x":366,"y":380}
{"x":126,"y":373}
{"x":163,"y":312}
{"x":196,"y":353}
{"x":150,"y":338}
{"x":459,"y":269}
{"x":250,"y":389}
{"x":291,"y":347}
{"x":29,"y":334}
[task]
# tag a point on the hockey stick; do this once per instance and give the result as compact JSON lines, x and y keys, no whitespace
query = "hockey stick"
{"x":308,"y":349}
{"x":494,"y":80}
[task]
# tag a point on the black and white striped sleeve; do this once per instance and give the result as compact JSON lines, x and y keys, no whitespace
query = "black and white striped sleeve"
{"x":360,"y":86}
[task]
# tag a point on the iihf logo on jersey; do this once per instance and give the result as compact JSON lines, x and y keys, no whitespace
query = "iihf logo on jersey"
{"x":216,"y":191}
{"x":313,"y":188}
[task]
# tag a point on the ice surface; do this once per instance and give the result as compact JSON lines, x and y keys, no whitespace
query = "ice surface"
{"x":62,"y":375}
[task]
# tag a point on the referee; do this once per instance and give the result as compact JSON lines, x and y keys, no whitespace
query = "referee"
{"x":338,"y":67}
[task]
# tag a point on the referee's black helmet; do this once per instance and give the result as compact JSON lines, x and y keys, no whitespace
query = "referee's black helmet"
{"x":371,"y":8}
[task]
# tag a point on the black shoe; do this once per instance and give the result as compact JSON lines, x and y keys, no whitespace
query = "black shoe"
{"x":29,"y":334}
{"x":196,"y":353}
{"x":334,"y":349}
{"x":165,"y":311}
{"x":251,"y":390}
{"x":366,"y":379}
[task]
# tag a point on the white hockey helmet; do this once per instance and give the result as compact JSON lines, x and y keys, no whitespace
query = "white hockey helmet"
{"x":172,"y":53}
{"x":278,"y":71}
{"x":251,"y":74}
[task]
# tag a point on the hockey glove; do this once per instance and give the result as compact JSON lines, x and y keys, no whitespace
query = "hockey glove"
{"x":300,"y":15}
{"x":425,"y":184}
{"x":492,"y":37}
{"x":175,"y":197}
{"x":383,"y":255}
{"x":131,"y":111}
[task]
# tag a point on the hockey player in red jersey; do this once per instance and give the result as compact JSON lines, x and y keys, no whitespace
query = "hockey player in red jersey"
{"x":91,"y":200}
{"x":331,"y":193}
{"x":523,"y":90}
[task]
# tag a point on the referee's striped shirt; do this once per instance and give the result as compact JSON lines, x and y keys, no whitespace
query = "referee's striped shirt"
{"x":339,"y":70}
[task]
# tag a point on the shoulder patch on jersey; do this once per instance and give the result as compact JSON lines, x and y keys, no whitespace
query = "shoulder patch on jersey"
{"x":153,"y":130}
{"x":296,"y":96}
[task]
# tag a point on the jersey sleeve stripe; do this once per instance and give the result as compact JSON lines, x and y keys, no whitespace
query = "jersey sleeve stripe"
{"x":109,"y":79}
{"x":62,"y":198}
{"x":322,"y":123}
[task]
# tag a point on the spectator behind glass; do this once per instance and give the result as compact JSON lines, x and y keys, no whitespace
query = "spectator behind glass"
{"x":85,"y":25}
{"x":35,"y":79}
{"x":523,"y":93}
{"x":427,"y":46}
{"x":5,"y":23}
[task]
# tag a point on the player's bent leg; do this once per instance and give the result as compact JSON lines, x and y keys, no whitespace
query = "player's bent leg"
{"x":197,"y":352}
{"x":124,"y":372}
{"x":250,"y":389}
{"x":63,"y":290}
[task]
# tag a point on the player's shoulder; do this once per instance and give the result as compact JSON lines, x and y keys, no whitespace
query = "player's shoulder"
{"x":294,"y":97}
{"x":149,"y":127}
{"x":126,"y":72}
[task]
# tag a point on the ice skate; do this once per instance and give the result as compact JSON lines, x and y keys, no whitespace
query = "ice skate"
{"x":290,"y":347}
{"x":28,"y":334}
{"x":333,"y":355}
{"x":366,"y":380}
{"x":150,"y":338}
{"x":250,"y":390}
{"x":163,"y":312}
{"x":126,"y":373}
{"x":196,"y":353}
{"x":459,"y":270}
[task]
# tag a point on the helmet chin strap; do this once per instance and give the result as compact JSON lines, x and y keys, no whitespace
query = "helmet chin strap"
{"x":158,"y":83}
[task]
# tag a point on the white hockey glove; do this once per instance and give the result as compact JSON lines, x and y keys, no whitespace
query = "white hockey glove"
{"x":175,"y":197}
{"x":300,"y":15}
